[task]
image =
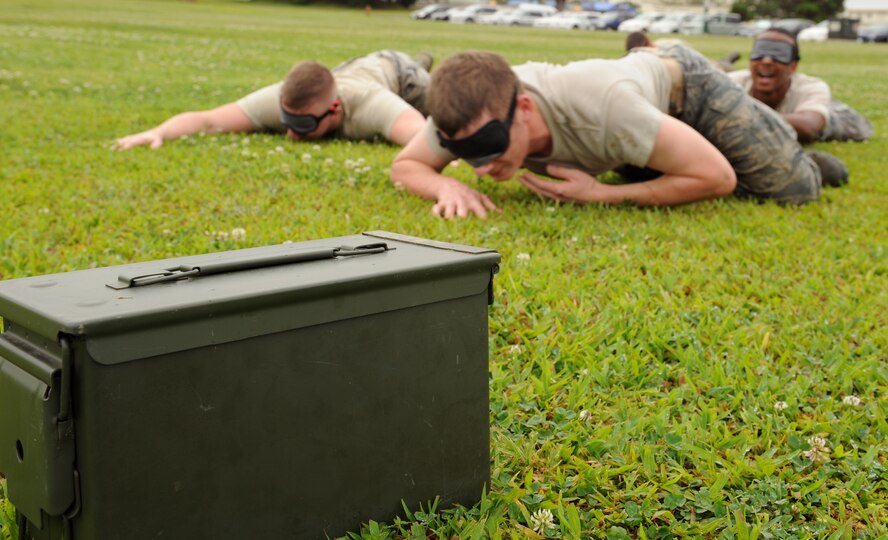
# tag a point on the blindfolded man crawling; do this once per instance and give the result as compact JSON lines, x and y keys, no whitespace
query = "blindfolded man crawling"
{"x":803,"y":101}
{"x":666,"y":109}
{"x":380,"y":95}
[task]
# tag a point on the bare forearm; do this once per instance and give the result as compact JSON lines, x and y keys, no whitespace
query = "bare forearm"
{"x":667,"y":190}
{"x":187,"y":123}
{"x":808,"y":125}
{"x":419,"y":179}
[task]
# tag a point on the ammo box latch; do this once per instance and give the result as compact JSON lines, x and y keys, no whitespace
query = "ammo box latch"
{"x":37,"y":429}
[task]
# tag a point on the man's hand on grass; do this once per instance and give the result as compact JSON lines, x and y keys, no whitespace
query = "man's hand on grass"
{"x":573,"y":185}
{"x":151,"y":138}
{"x":456,"y":199}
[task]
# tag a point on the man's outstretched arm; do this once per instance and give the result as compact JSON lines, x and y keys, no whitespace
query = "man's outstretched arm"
{"x":406,"y":125}
{"x":693,"y":170}
{"x":418,"y":169}
{"x":228,"y":118}
{"x":808,"y":124}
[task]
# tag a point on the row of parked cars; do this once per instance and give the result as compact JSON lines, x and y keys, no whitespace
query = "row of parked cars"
{"x":627,"y":20}
{"x":540,"y":15}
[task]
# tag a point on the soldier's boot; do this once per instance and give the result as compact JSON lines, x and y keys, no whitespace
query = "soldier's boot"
{"x":425,"y":60}
{"x":833,"y":171}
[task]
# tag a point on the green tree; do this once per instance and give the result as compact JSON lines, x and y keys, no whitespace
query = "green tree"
{"x":778,"y":9}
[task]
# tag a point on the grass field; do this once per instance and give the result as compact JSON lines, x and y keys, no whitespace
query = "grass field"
{"x":654,"y":373}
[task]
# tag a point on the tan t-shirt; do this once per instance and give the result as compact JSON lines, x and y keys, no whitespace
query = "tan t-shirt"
{"x":367,"y":87}
{"x":805,"y":93}
{"x":601,"y":113}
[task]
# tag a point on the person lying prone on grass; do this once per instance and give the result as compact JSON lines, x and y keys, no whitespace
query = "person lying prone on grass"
{"x":378,"y":95}
{"x":668,"y":110}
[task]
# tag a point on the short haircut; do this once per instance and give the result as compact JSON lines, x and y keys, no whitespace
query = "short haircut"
{"x":637,"y":39}
{"x":785,"y":32}
{"x":307,"y":82}
{"x":467,"y":84}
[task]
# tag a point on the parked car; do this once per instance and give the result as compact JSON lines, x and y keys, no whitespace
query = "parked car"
{"x":443,"y":15}
{"x":470,"y":14}
{"x":426,"y":12}
{"x":611,"y":20}
{"x":669,"y":24}
{"x":873,"y":33}
{"x":818,"y":32}
{"x":717,"y":23}
{"x":570,"y":20}
{"x":495,"y":17}
{"x":692,"y":26}
{"x":754,"y":28}
{"x":793,"y":26}
{"x":725,"y":24}
{"x":639,"y":23}
{"x":526,"y":14}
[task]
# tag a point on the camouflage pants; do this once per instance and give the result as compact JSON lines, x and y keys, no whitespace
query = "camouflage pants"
{"x":845,"y":124}
{"x":758,"y":143}
{"x":413,"y":79}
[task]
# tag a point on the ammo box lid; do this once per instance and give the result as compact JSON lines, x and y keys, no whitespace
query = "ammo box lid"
{"x":145,"y":309}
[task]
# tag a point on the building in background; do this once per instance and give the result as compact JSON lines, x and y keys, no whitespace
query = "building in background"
{"x":868,"y":11}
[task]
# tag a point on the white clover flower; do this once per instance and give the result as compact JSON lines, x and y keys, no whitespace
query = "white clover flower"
{"x":316,"y":148}
{"x":586,"y":416}
{"x":238,"y":233}
{"x":574,"y":239}
{"x":550,"y":209}
{"x":818,"y":451}
{"x":541,"y":520}
{"x":780,"y":405}
{"x":328,"y":162}
{"x":349,"y":164}
{"x":515,"y":349}
{"x":851,"y":401}
{"x":44,"y":211}
{"x":523,"y":257}
{"x":306,"y":157}
{"x":279,"y":149}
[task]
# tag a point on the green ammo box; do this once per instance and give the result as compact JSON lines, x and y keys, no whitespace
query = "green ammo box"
{"x":291,"y":391}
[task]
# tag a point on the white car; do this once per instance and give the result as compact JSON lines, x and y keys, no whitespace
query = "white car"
{"x":527,"y":14}
{"x":470,"y":14}
{"x":818,"y":32}
{"x":496,"y":17}
{"x":669,"y":24}
{"x":639,"y":23}
{"x":570,"y":20}
{"x":426,"y":12}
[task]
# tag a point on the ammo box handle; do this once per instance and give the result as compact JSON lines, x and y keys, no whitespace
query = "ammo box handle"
{"x":183,"y":271}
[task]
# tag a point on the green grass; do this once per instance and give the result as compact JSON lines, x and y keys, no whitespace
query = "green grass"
{"x":636,"y":355}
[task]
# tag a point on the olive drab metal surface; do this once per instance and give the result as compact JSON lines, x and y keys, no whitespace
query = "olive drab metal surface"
{"x":289,"y":391}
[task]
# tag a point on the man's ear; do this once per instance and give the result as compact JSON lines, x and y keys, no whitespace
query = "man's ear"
{"x":793,"y":66}
{"x":525,"y":102}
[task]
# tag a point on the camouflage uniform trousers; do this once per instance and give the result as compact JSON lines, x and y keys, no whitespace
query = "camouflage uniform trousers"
{"x":845,"y":124}
{"x":758,"y":143}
